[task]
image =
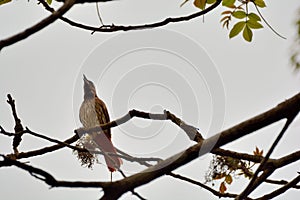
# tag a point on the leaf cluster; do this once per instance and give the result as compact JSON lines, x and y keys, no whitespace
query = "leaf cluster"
{"x":225,"y":168}
{"x":246,"y":21}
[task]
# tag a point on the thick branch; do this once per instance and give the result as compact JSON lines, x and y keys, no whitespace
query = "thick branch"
{"x":39,"y":26}
{"x":281,"y":111}
{"x":116,"y":189}
{"x":252,"y":186}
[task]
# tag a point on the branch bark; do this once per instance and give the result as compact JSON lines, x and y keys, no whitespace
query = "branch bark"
{"x":281,"y":111}
{"x":113,"y":190}
{"x":115,"y":28}
{"x":39,"y":26}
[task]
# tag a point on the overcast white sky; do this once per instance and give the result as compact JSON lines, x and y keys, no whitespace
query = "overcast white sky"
{"x":190,"y":68}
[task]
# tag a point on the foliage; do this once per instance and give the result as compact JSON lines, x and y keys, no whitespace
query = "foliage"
{"x":86,"y":158}
{"x":295,"y":54}
{"x":225,"y":168}
{"x":247,"y":21}
{"x":4,"y":1}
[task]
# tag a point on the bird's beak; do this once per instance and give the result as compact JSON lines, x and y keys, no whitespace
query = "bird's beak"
{"x":84,"y":78}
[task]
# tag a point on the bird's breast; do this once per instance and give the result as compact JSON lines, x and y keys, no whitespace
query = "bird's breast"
{"x":88,"y":115}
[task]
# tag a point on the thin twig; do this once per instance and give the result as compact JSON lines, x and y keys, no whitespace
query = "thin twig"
{"x":214,"y":192}
{"x":266,"y":22}
{"x":3,"y":131}
{"x":67,"y":143}
{"x":48,"y":178}
{"x":18,"y":125}
{"x":98,"y":13}
{"x":48,"y":149}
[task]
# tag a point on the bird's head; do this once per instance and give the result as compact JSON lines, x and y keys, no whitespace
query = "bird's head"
{"x":89,"y":88}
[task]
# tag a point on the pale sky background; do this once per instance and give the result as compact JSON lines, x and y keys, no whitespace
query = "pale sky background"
{"x":190,"y":68}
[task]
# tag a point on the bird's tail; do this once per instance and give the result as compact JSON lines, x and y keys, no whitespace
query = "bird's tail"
{"x":104,"y":143}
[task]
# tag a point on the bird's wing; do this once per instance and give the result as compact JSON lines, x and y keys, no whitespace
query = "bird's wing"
{"x":102,"y":114}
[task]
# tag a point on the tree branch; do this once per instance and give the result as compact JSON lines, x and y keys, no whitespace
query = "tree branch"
{"x":214,"y":192}
{"x":281,"y":190}
{"x":39,"y":26}
{"x":48,"y":178}
{"x":114,"y":28}
{"x":281,"y":111}
{"x":251,"y":186}
{"x":45,"y":150}
{"x":281,"y":182}
{"x":191,"y":131}
{"x":18,"y":125}
{"x":114,"y":190}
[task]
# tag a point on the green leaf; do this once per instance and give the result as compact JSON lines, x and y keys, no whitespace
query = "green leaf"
{"x":236,"y":29}
{"x":254,"y":24}
{"x":253,"y":16}
{"x":260,"y":3}
{"x":210,"y":1}
{"x":228,"y":3}
{"x":239,"y":14}
{"x":4,"y":1}
{"x":200,"y":4}
{"x":49,"y":2}
{"x":247,"y":33}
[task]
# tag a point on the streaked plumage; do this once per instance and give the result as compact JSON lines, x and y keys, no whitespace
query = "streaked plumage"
{"x":93,"y":112}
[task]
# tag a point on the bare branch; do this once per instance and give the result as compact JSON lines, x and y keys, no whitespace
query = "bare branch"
{"x":281,"y":111}
{"x":191,"y":131}
{"x":4,"y":132}
{"x":251,"y":185}
{"x":48,"y":149}
{"x":281,"y":182}
{"x":48,"y":178}
{"x":114,"y":28}
{"x":281,"y":190}
{"x":238,"y":155}
{"x":86,"y":1}
{"x":39,"y":26}
{"x":66,"y":143}
{"x":216,"y":193}
{"x":281,"y":162}
{"x":116,"y":189}
{"x":18,"y":125}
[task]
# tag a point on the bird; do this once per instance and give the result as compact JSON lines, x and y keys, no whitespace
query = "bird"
{"x":92,"y":113}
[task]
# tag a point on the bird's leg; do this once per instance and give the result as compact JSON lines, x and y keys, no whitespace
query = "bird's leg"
{"x":110,"y":176}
